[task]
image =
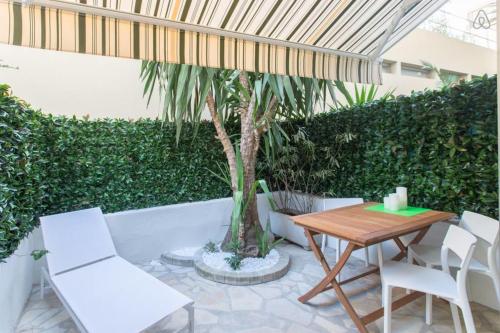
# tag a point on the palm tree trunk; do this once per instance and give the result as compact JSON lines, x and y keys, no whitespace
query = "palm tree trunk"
{"x":249,"y":147}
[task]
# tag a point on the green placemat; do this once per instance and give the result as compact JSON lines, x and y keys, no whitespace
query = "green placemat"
{"x":410,"y":211}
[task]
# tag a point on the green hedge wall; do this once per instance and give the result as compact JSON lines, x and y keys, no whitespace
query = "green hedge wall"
{"x":441,"y":144}
{"x":21,"y":171}
{"x":120,"y":165}
{"x":54,"y":164}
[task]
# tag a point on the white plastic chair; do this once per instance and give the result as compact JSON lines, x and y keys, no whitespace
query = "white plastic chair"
{"x":484,"y":259}
{"x":339,"y":249}
{"x":433,"y":281}
{"x":338,"y":203}
{"x":102,"y":292}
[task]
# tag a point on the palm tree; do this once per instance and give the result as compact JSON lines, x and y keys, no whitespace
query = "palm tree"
{"x":363,"y":95}
{"x":256,"y":100}
{"x":446,"y":79}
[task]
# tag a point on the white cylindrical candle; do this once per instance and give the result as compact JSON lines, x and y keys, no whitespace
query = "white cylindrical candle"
{"x":403,"y":197}
{"x":393,"y":201}
{"x":386,"y":203}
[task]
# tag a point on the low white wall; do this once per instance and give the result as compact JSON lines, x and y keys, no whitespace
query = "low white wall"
{"x":17,"y":276}
{"x":145,"y":234}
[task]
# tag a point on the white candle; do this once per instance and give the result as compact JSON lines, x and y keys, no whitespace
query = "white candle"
{"x":403,"y":197}
{"x":393,"y":201}
{"x":386,"y":203}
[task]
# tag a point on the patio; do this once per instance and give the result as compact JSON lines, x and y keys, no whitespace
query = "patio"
{"x":266,"y":308}
{"x":271,"y":138}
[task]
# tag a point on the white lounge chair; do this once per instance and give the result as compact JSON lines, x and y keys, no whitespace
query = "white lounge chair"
{"x":102,"y":292}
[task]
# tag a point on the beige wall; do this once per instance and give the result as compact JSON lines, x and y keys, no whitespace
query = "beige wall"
{"x":74,"y":84}
{"x":443,"y":52}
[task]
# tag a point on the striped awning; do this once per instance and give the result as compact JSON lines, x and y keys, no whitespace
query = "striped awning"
{"x":341,"y":39}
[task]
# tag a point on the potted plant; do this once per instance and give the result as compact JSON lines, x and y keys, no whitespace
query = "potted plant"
{"x":295,"y":179}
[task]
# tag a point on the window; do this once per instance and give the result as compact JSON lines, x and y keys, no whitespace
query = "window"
{"x":415,"y":71}
{"x":388,"y":66}
{"x":451,"y":76}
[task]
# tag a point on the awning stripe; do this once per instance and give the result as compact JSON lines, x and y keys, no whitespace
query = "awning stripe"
{"x":338,"y":39}
{"x":61,"y":30}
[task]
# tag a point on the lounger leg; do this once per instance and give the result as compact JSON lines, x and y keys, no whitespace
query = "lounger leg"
{"x":190,"y":310}
{"x":42,"y":285}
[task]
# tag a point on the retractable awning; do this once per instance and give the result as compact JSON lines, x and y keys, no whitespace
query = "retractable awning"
{"x":340,"y":39}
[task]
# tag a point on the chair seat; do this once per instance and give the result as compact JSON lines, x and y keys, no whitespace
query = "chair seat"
{"x":115,"y":296}
{"x":413,"y":277}
{"x":432,"y":255}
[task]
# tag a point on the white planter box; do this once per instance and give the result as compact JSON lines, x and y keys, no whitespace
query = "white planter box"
{"x":282,"y":225}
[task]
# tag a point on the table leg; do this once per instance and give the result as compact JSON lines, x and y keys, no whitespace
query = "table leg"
{"x":330,"y":279}
{"x":330,"y":274}
{"x":348,"y":307}
{"x":403,"y":249}
{"x":316,"y":250}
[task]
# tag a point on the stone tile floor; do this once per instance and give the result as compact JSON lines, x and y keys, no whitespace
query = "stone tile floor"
{"x":266,"y":308}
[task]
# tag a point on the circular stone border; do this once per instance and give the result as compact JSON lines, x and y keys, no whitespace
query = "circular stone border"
{"x":242,"y":278}
{"x":177,"y":260}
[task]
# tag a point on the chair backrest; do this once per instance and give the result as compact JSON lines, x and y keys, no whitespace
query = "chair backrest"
{"x":462,"y":243}
{"x":332,"y":203}
{"x":481,"y":226}
{"x":75,"y":239}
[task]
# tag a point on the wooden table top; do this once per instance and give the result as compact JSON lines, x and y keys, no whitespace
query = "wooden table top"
{"x":364,"y":227}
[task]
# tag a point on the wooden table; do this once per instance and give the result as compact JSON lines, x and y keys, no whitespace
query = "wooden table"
{"x":362,"y":228}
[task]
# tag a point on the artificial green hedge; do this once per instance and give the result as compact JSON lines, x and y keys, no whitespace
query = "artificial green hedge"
{"x":54,"y":164}
{"x":441,"y":144}
{"x":120,"y":165}
{"x":21,"y":172}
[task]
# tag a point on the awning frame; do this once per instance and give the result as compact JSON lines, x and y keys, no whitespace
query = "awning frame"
{"x":394,"y":23}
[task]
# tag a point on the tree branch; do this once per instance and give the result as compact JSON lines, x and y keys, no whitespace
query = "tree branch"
{"x":268,"y":116}
{"x":224,"y":139}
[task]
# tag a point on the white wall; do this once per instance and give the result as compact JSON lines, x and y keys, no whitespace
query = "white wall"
{"x":64,"y":83}
{"x":17,"y":276}
{"x":144,"y":234}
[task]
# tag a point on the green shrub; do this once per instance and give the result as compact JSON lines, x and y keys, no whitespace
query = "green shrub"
{"x":53,"y":164}
{"x":21,"y":175}
{"x":120,"y":165}
{"x":234,"y":261}
{"x":442,"y":145}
